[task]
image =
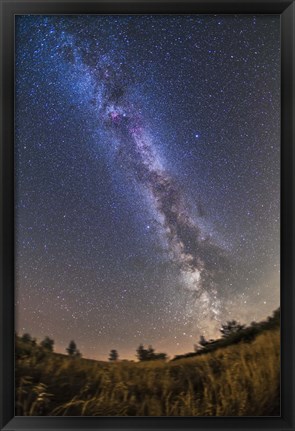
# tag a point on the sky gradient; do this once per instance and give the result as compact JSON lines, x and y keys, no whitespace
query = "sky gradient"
{"x":147,"y":178}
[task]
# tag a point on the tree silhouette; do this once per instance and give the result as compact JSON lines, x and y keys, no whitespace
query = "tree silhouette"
{"x":203,"y":342}
{"x":148,"y":354}
{"x":72,"y":349}
{"x":231,"y":327}
{"x":26,"y":338}
{"x":47,"y":344}
{"x":141,"y":353}
{"x":114,"y":355}
{"x":275,"y":319}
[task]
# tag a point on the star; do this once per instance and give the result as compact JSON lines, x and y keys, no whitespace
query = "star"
{"x":141,"y":153}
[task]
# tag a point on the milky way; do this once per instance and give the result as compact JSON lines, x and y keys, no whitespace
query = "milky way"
{"x":198,"y":258}
{"x":149,"y":196}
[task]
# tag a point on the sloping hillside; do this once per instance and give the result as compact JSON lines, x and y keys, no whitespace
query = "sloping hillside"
{"x":237,"y":380}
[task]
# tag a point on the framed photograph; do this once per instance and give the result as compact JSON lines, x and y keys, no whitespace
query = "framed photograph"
{"x":147,"y":234}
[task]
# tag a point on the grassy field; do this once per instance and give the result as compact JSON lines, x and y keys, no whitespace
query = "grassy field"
{"x":238,"y":380}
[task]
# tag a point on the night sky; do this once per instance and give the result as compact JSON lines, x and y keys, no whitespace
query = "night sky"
{"x":147,"y":178}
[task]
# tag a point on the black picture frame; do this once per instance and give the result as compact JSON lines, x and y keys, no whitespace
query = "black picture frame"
{"x":286,"y":9}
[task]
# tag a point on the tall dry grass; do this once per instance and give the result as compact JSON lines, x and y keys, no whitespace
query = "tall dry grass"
{"x":239,"y":380}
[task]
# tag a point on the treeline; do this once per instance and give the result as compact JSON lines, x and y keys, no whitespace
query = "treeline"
{"x":149,"y":354}
{"x":231,"y":333}
{"x":25,"y":345}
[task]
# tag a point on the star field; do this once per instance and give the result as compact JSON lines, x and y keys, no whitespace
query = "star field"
{"x":147,"y":178}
